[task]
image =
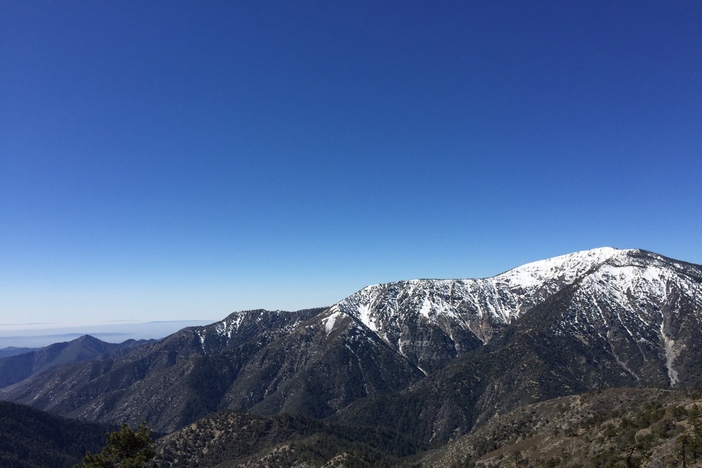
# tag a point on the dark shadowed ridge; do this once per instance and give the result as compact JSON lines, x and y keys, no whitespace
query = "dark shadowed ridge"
{"x":33,"y":438}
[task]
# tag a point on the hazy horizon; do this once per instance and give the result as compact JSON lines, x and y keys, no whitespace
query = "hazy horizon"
{"x":40,"y":335}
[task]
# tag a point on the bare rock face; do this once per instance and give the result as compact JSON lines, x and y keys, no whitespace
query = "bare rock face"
{"x":454,"y":352}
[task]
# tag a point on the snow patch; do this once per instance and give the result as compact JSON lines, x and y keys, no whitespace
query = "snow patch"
{"x":330,"y":321}
{"x":670,"y":355}
{"x":201,"y":335}
{"x":570,"y":266}
{"x":364,"y":315}
{"x":426,"y":308}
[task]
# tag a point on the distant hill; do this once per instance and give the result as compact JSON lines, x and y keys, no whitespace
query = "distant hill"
{"x":30,"y":438}
{"x":14,"y":351}
{"x":18,"y":366}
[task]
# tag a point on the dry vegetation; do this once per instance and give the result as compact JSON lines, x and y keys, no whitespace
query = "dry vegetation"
{"x":612,"y":428}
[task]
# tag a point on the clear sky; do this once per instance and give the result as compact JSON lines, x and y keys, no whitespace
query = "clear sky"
{"x":173,"y":160}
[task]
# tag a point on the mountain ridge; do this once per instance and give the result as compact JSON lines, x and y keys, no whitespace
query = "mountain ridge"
{"x":17,"y":367}
{"x":465,"y":348}
{"x":459,"y":312}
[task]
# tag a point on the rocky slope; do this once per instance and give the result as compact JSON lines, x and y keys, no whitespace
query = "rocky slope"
{"x":308,"y":362}
{"x":238,"y":439}
{"x":613,"y":427}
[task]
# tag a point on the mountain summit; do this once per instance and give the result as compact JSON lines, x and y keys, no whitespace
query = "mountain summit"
{"x":432,"y":321}
{"x":466,"y":348}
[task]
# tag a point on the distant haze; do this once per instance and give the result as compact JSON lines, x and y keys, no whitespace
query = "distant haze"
{"x":39,"y":335}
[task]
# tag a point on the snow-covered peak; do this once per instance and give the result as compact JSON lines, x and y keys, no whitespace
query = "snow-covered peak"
{"x":564,"y":268}
{"x":475,"y":305}
{"x":427,"y":320}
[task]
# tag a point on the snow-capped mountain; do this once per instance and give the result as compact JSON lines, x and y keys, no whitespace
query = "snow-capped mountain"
{"x":591,"y":319}
{"x":432,"y":321}
{"x":472,"y":302}
{"x":600,"y":318}
{"x":641,"y":307}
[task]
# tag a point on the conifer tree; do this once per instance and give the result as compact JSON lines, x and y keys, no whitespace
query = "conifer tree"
{"x":125,"y":448}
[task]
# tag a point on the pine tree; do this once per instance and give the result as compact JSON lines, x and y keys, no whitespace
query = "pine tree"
{"x":695,"y":445}
{"x":125,"y":448}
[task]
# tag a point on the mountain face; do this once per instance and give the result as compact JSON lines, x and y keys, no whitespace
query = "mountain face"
{"x":432,"y":321}
{"x":630,"y":298}
{"x":632,"y":319}
{"x":430,"y":357}
{"x":310,"y":362}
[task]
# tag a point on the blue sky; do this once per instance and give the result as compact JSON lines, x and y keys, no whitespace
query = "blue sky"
{"x":173,"y":160}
